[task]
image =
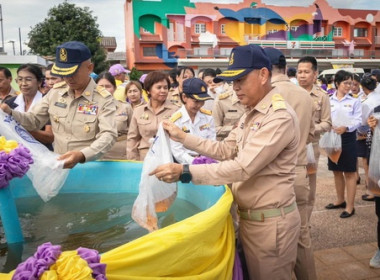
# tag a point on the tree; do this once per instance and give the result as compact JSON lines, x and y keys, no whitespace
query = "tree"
{"x":135,"y":74}
{"x":66,"y":22}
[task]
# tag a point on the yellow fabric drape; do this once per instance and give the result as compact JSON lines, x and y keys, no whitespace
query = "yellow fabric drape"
{"x":199,"y":247}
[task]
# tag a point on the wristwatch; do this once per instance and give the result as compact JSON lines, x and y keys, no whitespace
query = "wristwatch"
{"x":186,"y":175}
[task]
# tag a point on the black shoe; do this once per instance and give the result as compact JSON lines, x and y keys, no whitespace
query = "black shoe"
{"x":333,"y":206}
{"x":345,"y":214}
{"x":368,"y":197}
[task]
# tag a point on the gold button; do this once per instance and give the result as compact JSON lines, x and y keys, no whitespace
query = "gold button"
{"x":86,"y":128}
{"x":263,"y":106}
{"x":87,"y":93}
{"x":62,"y":100}
{"x":56,"y":119}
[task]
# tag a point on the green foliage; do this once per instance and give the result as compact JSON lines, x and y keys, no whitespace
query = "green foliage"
{"x":135,"y":74}
{"x":66,"y":22}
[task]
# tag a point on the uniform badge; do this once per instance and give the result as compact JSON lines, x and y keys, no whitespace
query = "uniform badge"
{"x":144,"y":116}
{"x":87,"y":109}
{"x":231,"y":59}
{"x":205,"y":126}
{"x":60,"y":104}
{"x":63,"y":55}
{"x":255,"y":126}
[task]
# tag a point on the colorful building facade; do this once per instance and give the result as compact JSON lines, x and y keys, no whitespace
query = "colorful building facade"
{"x":160,"y":33}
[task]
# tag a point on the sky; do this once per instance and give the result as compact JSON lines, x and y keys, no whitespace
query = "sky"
{"x":25,"y":14}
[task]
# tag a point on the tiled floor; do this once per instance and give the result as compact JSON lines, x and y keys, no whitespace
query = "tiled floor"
{"x":342,"y":247}
{"x":346,"y":263}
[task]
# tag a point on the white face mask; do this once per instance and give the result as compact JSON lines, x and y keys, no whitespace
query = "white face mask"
{"x":219,"y":89}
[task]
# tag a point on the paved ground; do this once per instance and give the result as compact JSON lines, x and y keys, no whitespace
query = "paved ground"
{"x":342,"y":247}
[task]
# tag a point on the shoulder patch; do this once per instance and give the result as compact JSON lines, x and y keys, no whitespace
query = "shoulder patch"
{"x":223,"y":95}
{"x":102,"y":91}
{"x":60,"y":85}
{"x":278,"y":102}
{"x":176,"y":116}
{"x":206,"y":112}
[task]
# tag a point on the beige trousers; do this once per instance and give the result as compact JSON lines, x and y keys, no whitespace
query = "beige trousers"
{"x":305,"y":267}
{"x":313,"y":180}
{"x":270,"y":247}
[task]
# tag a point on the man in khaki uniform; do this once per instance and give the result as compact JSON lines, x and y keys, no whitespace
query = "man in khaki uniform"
{"x":227,"y":111}
{"x":81,"y":114}
{"x":302,"y":104}
{"x":6,"y":90}
{"x":259,"y":157}
{"x":307,"y":71}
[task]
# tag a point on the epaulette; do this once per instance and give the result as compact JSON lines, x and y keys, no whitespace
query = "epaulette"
{"x":102,"y":91}
{"x":17,"y":92}
{"x":224,"y":95}
{"x":321,"y":89}
{"x":176,"y":116}
{"x":206,"y":112}
{"x":278,"y":102}
{"x":60,"y":85}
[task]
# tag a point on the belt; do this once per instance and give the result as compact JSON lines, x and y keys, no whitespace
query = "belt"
{"x":261,"y":215}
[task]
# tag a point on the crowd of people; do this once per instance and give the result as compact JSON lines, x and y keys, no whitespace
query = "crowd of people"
{"x":249,"y":126}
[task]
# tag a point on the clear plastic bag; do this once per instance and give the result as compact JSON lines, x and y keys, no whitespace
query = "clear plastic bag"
{"x":46,"y":173}
{"x":331,"y":143}
{"x":311,"y":166}
{"x":374,"y":161}
{"x":154,"y":195}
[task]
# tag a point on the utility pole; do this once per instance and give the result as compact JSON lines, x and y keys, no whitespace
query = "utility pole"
{"x":2,"y":32}
{"x":19,"y":36}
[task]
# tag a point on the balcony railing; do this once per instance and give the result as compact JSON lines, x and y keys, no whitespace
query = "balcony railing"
{"x":212,"y":53}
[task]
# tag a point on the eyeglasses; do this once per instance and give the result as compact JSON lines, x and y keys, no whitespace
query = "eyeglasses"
{"x":347,"y":83}
{"x":27,"y":80}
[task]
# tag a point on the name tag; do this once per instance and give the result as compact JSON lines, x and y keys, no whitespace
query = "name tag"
{"x":232,"y":111}
{"x":87,"y":109}
{"x":60,"y":104}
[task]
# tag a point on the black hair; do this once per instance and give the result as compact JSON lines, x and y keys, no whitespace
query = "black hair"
{"x":291,"y":72}
{"x":34,"y":69}
{"x":368,"y":82}
{"x":340,"y":76}
{"x":108,"y":76}
{"x":173,"y":75}
{"x":184,"y":68}
{"x":323,"y":80}
{"x":376,"y":73}
{"x":309,"y":59}
{"x":209,"y":72}
{"x":48,"y":68}
{"x":6,"y":71}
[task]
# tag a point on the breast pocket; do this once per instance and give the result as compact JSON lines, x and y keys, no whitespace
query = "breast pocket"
{"x":85,"y":126}
{"x":146,"y":128}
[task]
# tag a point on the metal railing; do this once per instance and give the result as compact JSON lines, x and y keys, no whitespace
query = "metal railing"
{"x":289,"y":53}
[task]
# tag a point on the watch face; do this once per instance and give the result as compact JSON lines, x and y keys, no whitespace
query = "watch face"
{"x":185,"y":177}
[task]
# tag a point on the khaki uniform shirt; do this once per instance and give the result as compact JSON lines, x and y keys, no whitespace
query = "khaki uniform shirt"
{"x":174,"y":97}
{"x":85,"y":123}
{"x":322,"y":116}
{"x":259,"y":156}
{"x":303,"y":105}
{"x":12,"y":93}
{"x":226,"y":112}
{"x":144,"y":126}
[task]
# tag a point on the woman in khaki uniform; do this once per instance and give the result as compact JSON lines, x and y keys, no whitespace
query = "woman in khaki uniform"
{"x":122,"y":118}
{"x":134,"y":93}
{"x":146,"y":117}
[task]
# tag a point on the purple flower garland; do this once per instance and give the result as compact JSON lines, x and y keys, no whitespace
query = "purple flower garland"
{"x":14,"y":164}
{"x":31,"y":269}
{"x":47,"y":254}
